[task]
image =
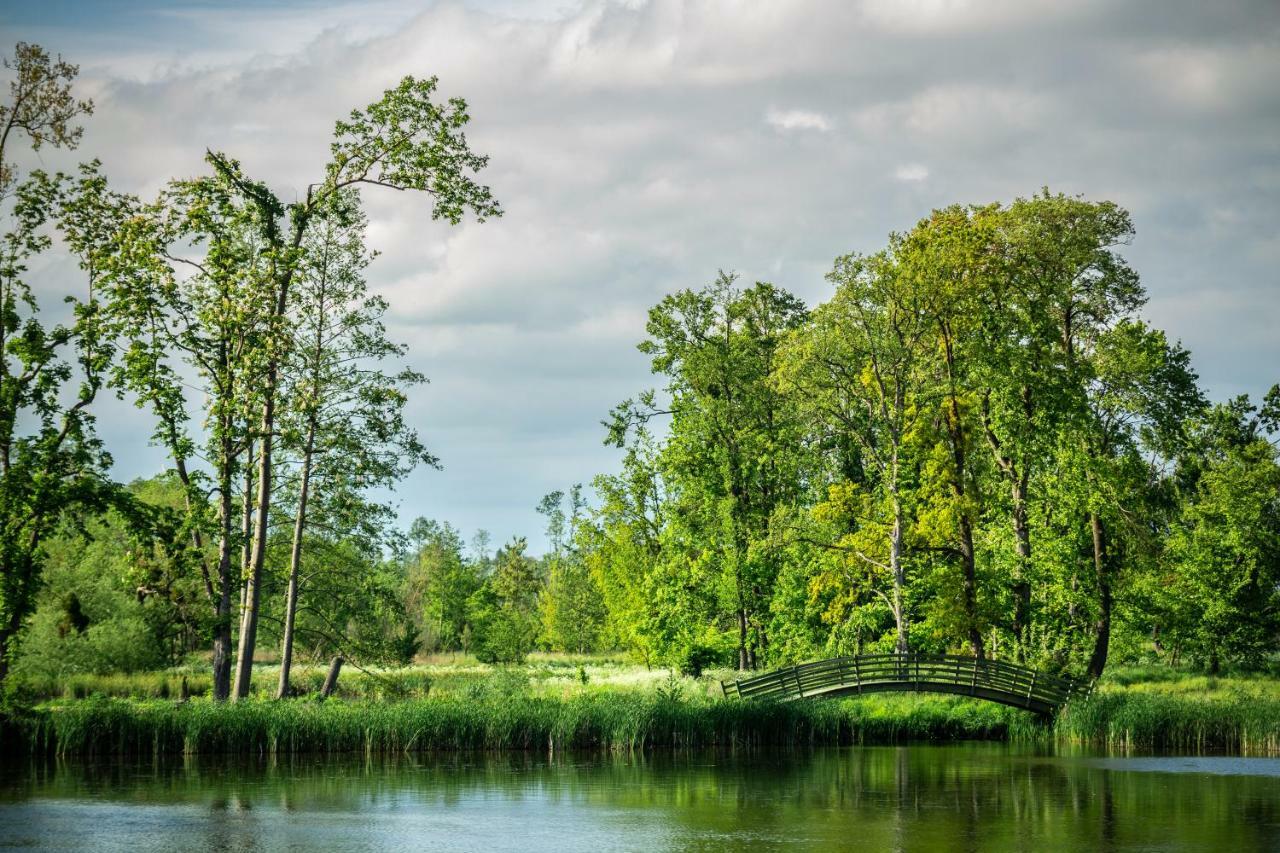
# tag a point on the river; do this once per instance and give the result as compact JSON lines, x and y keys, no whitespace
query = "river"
{"x":966,"y":797}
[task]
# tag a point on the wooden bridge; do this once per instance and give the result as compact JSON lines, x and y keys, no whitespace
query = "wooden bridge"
{"x":993,"y":680}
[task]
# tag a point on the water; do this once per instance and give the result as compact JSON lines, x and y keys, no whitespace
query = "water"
{"x":969,"y":797}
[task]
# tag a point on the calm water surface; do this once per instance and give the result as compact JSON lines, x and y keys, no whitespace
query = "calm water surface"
{"x":972,"y":797}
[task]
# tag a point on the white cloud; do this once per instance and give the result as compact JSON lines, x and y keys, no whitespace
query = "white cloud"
{"x":911,"y":172}
{"x":797,"y":120}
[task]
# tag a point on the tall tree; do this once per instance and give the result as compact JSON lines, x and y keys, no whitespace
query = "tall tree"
{"x":50,"y":460}
{"x":730,"y":433}
{"x":343,"y":414}
{"x":404,"y":141}
{"x":856,"y":372}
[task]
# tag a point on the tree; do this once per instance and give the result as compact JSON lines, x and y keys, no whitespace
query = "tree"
{"x":505,"y":608}
{"x":342,"y":414}
{"x":258,"y":244}
{"x":856,"y":374}
{"x":730,"y":435}
{"x":404,"y":141}
{"x":1219,"y":583}
{"x":51,"y":463}
{"x":573,"y":610}
{"x":440,"y":580}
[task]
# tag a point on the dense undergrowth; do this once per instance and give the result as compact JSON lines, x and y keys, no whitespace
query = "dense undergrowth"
{"x":555,"y":705}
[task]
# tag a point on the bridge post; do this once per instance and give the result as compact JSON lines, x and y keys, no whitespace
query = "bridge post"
{"x":1034,"y":675}
{"x":973,"y":687}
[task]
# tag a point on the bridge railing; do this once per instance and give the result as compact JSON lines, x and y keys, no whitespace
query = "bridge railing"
{"x":997,"y":680}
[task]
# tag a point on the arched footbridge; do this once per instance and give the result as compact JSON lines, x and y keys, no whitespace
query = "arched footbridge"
{"x":993,"y":680}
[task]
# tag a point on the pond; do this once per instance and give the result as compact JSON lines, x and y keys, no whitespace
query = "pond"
{"x":966,"y":797}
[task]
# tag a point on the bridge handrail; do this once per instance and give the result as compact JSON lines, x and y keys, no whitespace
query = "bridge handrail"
{"x":996,"y":679}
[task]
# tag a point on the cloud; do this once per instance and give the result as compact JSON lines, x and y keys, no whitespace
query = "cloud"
{"x":629,"y":151}
{"x":912,"y":172}
{"x":797,"y":120}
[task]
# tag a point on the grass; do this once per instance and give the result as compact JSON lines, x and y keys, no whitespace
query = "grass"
{"x":1176,"y":709}
{"x":598,"y":703}
{"x":591,"y":719}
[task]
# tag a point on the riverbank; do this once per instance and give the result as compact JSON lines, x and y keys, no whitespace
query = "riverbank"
{"x":552,"y":706}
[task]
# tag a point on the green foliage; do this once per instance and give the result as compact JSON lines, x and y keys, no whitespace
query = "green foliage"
{"x":504,"y":609}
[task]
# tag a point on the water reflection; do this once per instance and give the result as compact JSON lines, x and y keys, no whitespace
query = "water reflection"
{"x":956,"y":798}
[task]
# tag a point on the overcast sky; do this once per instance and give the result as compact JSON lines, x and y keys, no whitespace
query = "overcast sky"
{"x":638,"y":147}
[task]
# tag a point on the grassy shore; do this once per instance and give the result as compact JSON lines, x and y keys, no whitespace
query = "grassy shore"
{"x":556,"y":704}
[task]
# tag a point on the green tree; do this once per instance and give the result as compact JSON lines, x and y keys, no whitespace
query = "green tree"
{"x":440,"y":580}
{"x":342,"y":413}
{"x":505,"y":608}
{"x":51,"y":463}
{"x":572,"y":607}
{"x":728,"y":454}
{"x":856,"y":374}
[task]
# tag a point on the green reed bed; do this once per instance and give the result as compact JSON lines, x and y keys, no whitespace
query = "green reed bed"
{"x":588,"y":720}
{"x":1241,"y":722}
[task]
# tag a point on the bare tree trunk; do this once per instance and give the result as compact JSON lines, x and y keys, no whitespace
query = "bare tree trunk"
{"x":1102,"y":627}
{"x":970,"y":585}
{"x":249,"y":627}
{"x":295,"y":559}
{"x":222,"y":612}
{"x":246,"y":532}
{"x":742,"y":639}
{"x":331,"y":680}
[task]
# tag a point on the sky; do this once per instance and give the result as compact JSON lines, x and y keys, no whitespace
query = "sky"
{"x":639,"y":147}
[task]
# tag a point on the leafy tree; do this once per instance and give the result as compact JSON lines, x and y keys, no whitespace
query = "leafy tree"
{"x":440,"y":580}
{"x":51,"y":463}
{"x":258,"y":244}
{"x":342,"y":413}
{"x":728,"y":453}
{"x":573,"y":610}
{"x":505,"y":608}
{"x":856,"y":374}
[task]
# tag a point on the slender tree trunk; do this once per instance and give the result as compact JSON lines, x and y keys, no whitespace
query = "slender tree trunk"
{"x":331,"y":680}
{"x":295,"y":559}
{"x":222,"y":621}
{"x":246,"y":532}
{"x":249,"y":627}
{"x":1022,"y":569}
{"x":742,"y":639}
{"x":902,"y":646}
{"x":1102,"y":627}
{"x":970,"y":585}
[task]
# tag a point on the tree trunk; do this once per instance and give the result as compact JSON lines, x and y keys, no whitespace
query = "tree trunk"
{"x":222,"y":610}
{"x":1102,"y":627}
{"x":902,"y":645}
{"x":970,"y":586}
{"x":331,"y":680}
{"x":249,"y":627}
{"x":246,"y":533}
{"x":742,"y":639}
{"x":295,"y":559}
{"x":1022,"y":569}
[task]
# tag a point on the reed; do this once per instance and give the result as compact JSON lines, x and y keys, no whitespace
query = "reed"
{"x":1238,"y":722}
{"x":600,"y":719}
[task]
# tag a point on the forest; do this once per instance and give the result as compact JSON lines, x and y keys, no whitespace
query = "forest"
{"x":975,"y":444}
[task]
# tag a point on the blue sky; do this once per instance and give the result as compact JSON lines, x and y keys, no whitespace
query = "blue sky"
{"x":639,"y":147}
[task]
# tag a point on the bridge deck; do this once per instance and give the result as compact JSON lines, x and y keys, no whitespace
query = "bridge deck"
{"x":993,"y":680}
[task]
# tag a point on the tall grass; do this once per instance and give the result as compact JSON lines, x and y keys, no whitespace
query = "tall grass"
{"x":589,"y":720}
{"x":1147,"y":719}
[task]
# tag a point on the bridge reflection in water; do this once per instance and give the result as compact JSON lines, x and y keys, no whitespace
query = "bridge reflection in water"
{"x":993,"y":680}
